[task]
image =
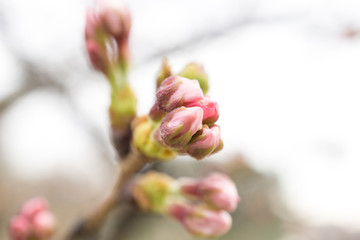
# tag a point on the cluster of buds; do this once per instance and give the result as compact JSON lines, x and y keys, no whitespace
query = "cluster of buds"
{"x":187,"y":118}
{"x":182,"y":120}
{"x":33,"y":222}
{"x":202,"y":206}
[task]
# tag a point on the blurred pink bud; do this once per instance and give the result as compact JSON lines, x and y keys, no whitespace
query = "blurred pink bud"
{"x":33,"y":207}
{"x":189,"y":186}
{"x":107,"y":36}
{"x":44,"y":224}
{"x":204,"y":142}
{"x":208,"y":223}
{"x":200,"y":221}
{"x":178,"y":126}
{"x":210,"y":108}
{"x":34,"y":221}
{"x":177,"y":91}
{"x":92,"y":22}
{"x":219,"y":191}
{"x":180,"y":211}
{"x":19,"y":228}
{"x":116,"y":21}
{"x":97,"y":55}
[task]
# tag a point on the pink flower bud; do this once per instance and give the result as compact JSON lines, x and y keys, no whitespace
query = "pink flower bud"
{"x":204,"y":142}
{"x":200,"y":221}
{"x":44,"y":224}
{"x":97,"y":55}
{"x":107,"y":36}
{"x":165,"y":72}
{"x":19,"y":228}
{"x":177,"y":91}
{"x":219,"y":191}
{"x":178,"y":126}
{"x":34,"y":221}
{"x":91,"y":24}
{"x":180,"y":211}
{"x":210,"y":108}
{"x":33,"y":207}
{"x":116,"y":21}
{"x":208,"y":223}
{"x":189,"y":187}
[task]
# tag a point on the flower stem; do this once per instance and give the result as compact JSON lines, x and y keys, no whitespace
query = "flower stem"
{"x":90,"y":225}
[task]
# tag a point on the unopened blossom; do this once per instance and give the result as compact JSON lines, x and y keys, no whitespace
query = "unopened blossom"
{"x":115,"y":20}
{"x":210,"y":108}
{"x":107,"y":37}
{"x":204,"y":142}
{"x":34,"y":221}
{"x":176,"y":91}
{"x":152,"y":190}
{"x":19,"y":228}
{"x":165,"y":72}
{"x":97,"y":55}
{"x":43,"y":224}
{"x":200,"y":221}
{"x":178,"y":126}
{"x":196,"y":71}
{"x":217,"y":190}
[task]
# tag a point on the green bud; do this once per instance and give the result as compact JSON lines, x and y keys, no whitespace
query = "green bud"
{"x":152,"y":190}
{"x":146,"y":141}
{"x":165,"y":72}
{"x":196,"y":71}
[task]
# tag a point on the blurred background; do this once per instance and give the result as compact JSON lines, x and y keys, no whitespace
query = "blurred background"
{"x":286,"y":76}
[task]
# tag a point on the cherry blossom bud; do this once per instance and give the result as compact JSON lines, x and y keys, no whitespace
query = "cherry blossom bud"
{"x":210,"y":108}
{"x":116,"y":21}
{"x":44,"y":224}
{"x":34,"y":221}
{"x":200,"y":221}
{"x":204,"y":142}
{"x":33,"y":207}
{"x":19,"y":228}
{"x":151,"y":191}
{"x":165,"y":72}
{"x":92,"y":23}
{"x":219,"y":191}
{"x":196,"y":71}
{"x":97,"y":55}
{"x":177,"y":91}
{"x":189,"y":187}
{"x":107,"y":38}
{"x":178,"y":126}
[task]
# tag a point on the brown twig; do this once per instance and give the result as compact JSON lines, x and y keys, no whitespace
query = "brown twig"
{"x":89,"y":227}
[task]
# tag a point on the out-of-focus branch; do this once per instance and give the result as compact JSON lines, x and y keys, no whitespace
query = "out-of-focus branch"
{"x":32,"y":80}
{"x":205,"y":36}
{"x":89,"y":227}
